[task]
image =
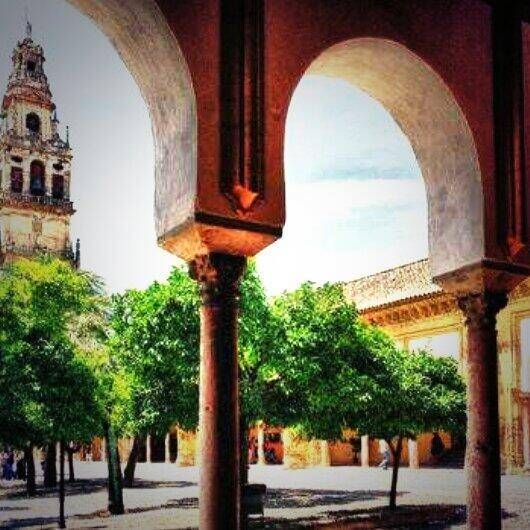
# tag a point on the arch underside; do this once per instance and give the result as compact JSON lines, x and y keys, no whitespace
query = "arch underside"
{"x":437,"y":129}
{"x":149,"y":49}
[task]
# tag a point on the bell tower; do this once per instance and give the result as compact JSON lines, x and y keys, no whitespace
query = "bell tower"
{"x":35,"y":162}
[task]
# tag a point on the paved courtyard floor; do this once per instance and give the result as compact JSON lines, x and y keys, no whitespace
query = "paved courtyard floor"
{"x":166,"y":496}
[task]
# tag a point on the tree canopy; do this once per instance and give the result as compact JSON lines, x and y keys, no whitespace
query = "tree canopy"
{"x":45,"y":383}
{"x":154,"y":341}
{"x":306,"y":360}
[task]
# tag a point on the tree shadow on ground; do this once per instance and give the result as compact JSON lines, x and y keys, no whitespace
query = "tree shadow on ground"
{"x":297,"y":498}
{"x":29,"y":521}
{"x":419,"y":517}
{"x":154,"y":484}
{"x":306,"y":498}
{"x":87,"y":486}
{"x":79,"y":487}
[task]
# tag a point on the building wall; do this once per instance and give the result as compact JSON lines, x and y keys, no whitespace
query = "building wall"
{"x":27,"y":228}
{"x":411,"y":324}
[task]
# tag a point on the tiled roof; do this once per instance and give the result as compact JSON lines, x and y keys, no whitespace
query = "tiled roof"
{"x":403,"y":283}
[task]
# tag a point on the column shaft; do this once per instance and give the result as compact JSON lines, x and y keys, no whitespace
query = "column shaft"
{"x":325,"y":455}
{"x":261,"y":445}
{"x":526,"y":435}
{"x":414,"y":457}
{"x":148,"y":449}
{"x":167,"y":456}
{"x":219,"y":275}
{"x":483,"y":446}
{"x":365,"y":451}
{"x":103,"y":450}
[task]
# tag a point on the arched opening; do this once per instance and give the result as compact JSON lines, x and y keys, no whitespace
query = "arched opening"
{"x":37,"y":178}
{"x":441,"y":179}
{"x":33,"y":123}
{"x":430,"y":117}
{"x":145,"y":43}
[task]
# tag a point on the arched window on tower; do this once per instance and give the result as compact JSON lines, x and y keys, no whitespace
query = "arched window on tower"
{"x":36,"y":179}
{"x":33,"y":123}
{"x":16,"y":180}
{"x":58,"y":187}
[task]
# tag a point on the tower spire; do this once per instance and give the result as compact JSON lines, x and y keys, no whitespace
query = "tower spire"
{"x":29,"y":27}
{"x":35,"y":163}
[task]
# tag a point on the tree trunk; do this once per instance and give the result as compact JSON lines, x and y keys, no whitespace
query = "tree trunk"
{"x":71,"y":473}
{"x":62,"y":522}
{"x":396,"y":453}
{"x":128,"y":474}
{"x":31,"y":489}
{"x":50,"y":467}
{"x":115,"y":485}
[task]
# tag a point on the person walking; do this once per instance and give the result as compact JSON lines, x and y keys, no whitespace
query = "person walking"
{"x":386,"y":459}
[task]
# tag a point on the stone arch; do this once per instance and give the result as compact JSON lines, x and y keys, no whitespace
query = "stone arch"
{"x":141,"y":35}
{"x":429,"y":115}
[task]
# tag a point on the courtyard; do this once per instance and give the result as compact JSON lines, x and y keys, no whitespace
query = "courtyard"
{"x":165,"y":496}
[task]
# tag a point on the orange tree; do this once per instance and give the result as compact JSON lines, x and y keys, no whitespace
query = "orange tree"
{"x":333,"y":371}
{"x":413,"y":393}
{"x":154,"y":345}
{"x":47,"y":391}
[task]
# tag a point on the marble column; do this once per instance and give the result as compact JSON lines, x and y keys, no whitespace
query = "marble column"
{"x":325,"y":454}
{"x":148,"y":440}
{"x":483,"y":436}
{"x":103,"y":450}
{"x":414,"y":457}
{"x":167,"y":455}
{"x":219,"y":498}
{"x":365,"y":451}
{"x":525,"y":405}
{"x":261,"y":445}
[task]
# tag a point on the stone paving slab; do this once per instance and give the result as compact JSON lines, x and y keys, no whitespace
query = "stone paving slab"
{"x":165,"y":497}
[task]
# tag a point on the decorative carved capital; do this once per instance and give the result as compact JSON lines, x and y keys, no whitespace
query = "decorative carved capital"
{"x":218,"y":276}
{"x":480,"y":309}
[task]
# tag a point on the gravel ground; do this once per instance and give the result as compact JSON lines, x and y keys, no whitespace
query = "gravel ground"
{"x":166,"y":496}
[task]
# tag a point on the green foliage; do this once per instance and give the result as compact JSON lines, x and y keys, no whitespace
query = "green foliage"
{"x":306,"y":361}
{"x":319,"y":366}
{"x":45,"y":383}
{"x":414,"y":393}
{"x":260,"y":332}
{"x":335,"y":371}
{"x":154,"y":346}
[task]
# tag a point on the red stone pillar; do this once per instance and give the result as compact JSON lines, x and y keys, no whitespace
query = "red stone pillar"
{"x":482,"y":454}
{"x":218,"y":276}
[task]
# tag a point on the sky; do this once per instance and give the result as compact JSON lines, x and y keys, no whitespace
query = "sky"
{"x":355,"y":197}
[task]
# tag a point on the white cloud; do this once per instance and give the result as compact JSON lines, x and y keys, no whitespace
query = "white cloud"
{"x":316,"y":202}
{"x":340,"y":230}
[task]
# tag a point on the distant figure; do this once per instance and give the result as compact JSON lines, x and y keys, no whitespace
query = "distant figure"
{"x":386,"y":459}
{"x":270,"y":455}
{"x":9,"y":466}
{"x":250,"y":452}
{"x":21,"y":468}
{"x":437,"y":447}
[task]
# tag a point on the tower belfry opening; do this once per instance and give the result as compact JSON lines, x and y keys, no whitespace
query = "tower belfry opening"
{"x":35,"y":163}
